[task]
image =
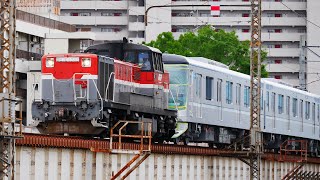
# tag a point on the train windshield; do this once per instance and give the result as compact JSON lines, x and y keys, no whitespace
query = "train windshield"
{"x":178,"y":86}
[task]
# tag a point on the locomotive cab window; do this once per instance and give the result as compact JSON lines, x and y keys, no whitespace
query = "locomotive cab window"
{"x":144,"y":61}
{"x":130,"y":56}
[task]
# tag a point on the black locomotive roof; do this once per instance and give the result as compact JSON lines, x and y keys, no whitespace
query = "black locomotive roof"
{"x":174,"y":59}
{"x":108,"y":45}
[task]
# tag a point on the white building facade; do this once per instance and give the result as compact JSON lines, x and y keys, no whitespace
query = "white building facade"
{"x":283,"y":22}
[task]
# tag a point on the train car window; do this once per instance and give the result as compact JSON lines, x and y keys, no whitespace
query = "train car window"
{"x":301,"y":109}
{"x":313,"y":115}
{"x":238,"y":94}
{"x":288,"y":106}
{"x":246,"y":96}
{"x":294,"y":107}
{"x":155,"y":61}
{"x":261,"y":100}
{"x":229,"y":87}
{"x":280,"y":103}
{"x":198,"y":85}
{"x":268,"y":98}
{"x":307,"y":114}
{"x":209,"y":88}
{"x":273,"y":102}
{"x":318,"y":114}
{"x":219,"y":90}
{"x":144,"y":61}
{"x":130,"y":56}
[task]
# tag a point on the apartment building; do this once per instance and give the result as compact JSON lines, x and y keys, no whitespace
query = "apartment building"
{"x":283,"y":22}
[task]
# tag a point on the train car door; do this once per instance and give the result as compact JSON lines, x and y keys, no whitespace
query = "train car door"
{"x":198,"y":95}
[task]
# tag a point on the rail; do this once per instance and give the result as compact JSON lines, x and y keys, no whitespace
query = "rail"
{"x":39,"y":140}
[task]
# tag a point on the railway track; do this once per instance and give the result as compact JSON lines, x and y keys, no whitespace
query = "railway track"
{"x":40,"y":140}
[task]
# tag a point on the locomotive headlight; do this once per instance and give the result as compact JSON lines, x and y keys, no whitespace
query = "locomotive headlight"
{"x":50,"y":62}
{"x":86,"y":62}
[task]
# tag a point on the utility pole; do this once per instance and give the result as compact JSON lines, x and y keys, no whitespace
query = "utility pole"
{"x":302,"y":63}
{"x":255,"y":91}
{"x":7,"y":89}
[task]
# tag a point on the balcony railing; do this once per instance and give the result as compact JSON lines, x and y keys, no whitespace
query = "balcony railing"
{"x":45,"y":22}
{"x":28,"y":55}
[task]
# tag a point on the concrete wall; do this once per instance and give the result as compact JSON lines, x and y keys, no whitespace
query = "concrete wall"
{"x":55,"y":164}
{"x":313,"y":39}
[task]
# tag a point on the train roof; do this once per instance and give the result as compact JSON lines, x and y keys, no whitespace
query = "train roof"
{"x":178,"y":59}
{"x":132,"y":46}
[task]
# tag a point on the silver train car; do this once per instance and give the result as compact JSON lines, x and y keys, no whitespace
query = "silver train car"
{"x":213,"y":106}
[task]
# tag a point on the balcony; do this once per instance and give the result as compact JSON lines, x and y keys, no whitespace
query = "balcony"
{"x":44,"y":22}
{"x":282,"y":52}
{"x":279,"y":37}
{"x":94,"y":20}
{"x":281,"y":68}
{"x":238,"y":21}
{"x":94,"y":5}
{"x":265,"y":6}
{"x":21,"y":54}
{"x":136,"y":26}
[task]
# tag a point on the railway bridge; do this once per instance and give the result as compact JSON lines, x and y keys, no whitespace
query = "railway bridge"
{"x":41,"y":157}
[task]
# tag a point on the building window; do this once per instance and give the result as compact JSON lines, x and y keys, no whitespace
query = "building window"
{"x":85,"y":14}
{"x":246,"y":98}
{"x":245,"y":30}
{"x":245,"y":14}
{"x":294,"y":107}
{"x":278,"y":46}
{"x":229,"y":86}
{"x":106,"y":29}
{"x":278,"y":30}
{"x":209,"y":88}
{"x":117,"y":14}
{"x":278,"y":77}
{"x":278,"y":61}
{"x":277,"y":15}
{"x":280,"y":103}
{"x":106,"y":14}
{"x":307,"y":114}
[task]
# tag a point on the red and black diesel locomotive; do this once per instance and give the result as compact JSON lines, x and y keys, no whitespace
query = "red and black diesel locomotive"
{"x":86,"y":93}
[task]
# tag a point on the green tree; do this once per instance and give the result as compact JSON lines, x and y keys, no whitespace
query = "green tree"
{"x":221,"y":46}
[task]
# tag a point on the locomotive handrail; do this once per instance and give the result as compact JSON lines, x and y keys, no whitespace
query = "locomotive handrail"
{"x":101,"y":101}
{"x":74,"y":87}
{"x":107,"y":88}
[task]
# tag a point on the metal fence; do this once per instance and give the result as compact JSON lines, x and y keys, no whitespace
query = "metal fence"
{"x":46,"y":22}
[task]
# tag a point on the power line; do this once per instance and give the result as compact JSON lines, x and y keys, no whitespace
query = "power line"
{"x":300,"y":15}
